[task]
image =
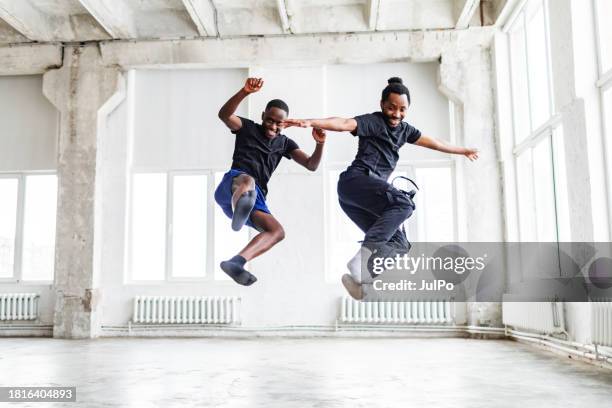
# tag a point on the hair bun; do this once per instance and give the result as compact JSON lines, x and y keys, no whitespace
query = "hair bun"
{"x":395,"y":80}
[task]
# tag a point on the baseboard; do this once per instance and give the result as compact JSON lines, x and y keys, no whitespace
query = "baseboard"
{"x":301,"y":331}
{"x":339,"y":330}
{"x":26,"y":330}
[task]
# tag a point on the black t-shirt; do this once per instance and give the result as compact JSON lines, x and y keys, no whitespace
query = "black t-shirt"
{"x":379,"y":143}
{"x":257,"y":155}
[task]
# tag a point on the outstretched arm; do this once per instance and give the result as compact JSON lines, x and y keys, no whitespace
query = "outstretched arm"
{"x":311,"y":162}
{"x":226,"y":113}
{"x":334,"y":124}
{"x":439,"y":145}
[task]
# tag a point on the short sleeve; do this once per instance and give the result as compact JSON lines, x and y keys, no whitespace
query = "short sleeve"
{"x":246,"y":125}
{"x":367,"y":125}
{"x":289,"y":147}
{"x":412,"y":134}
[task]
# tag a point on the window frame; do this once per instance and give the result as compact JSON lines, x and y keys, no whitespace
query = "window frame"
{"x":545,"y":132}
{"x":169,"y":277}
{"x":604,"y":84}
{"x":210,"y":275}
{"x":21,"y":178}
{"x":451,"y":164}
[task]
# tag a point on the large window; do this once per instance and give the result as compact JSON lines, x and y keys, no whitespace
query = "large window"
{"x":530,"y":69}
{"x":148,"y":227}
{"x":433,"y":221}
{"x":603,"y":9}
{"x":538,"y":136}
{"x":8,"y":225}
{"x":27,"y":226}
{"x":172,"y":224}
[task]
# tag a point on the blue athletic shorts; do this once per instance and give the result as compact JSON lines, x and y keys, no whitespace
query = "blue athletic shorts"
{"x":223,"y":196}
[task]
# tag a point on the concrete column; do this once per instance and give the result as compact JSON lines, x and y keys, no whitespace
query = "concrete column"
{"x":29,"y":59}
{"x":78,"y":90}
{"x":466,"y":77}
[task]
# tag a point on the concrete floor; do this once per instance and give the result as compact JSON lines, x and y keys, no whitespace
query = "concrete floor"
{"x":303,"y":373}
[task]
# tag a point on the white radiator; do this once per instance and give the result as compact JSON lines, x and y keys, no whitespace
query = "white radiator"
{"x":186,"y":310}
{"x":413,"y":312}
{"x":18,"y":306}
{"x":601,"y":323}
{"x":542,"y":317}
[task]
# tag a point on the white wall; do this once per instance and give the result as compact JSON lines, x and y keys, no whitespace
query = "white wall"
{"x":356,"y":89}
{"x":28,"y":135}
{"x":176,"y":126}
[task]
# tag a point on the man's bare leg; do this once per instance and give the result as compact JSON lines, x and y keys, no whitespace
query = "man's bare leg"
{"x":271,"y":233}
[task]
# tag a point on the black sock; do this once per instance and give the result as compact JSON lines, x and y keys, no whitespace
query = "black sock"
{"x":238,"y":260}
{"x":235,"y":269}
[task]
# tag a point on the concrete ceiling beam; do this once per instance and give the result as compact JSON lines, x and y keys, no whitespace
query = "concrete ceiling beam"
{"x":203,"y":14}
{"x":372,"y":8}
{"x":465,"y":10}
{"x":285,"y":12}
{"x":27,"y":20}
{"x":114,"y":16}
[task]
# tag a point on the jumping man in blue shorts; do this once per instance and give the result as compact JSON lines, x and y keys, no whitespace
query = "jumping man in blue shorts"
{"x":257,"y":152}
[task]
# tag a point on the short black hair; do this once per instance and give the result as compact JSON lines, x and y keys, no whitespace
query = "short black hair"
{"x":396,"y":85}
{"x":277,"y":103}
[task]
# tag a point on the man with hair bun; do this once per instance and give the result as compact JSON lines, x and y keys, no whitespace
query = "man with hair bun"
{"x":258,"y":150}
{"x":365,"y":195}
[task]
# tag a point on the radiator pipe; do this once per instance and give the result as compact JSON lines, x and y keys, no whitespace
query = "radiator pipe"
{"x":551,"y":342}
{"x":589,"y":347}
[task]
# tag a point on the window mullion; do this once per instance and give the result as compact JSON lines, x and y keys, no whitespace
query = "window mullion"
{"x":551,"y":107}
{"x":598,"y":39}
{"x":555,"y":193}
{"x":169,"y":220}
{"x":532,"y":184}
{"x":454,"y":177}
{"x":127,"y":264}
{"x":209,"y":273}
{"x":512,"y":95}
{"x":526,"y":67}
{"x":18,"y":256}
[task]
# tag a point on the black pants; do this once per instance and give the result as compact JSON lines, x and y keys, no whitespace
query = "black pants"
{"x":378,"y":208}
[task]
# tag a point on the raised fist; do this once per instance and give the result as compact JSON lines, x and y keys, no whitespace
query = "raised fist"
{"x":253,"y":85}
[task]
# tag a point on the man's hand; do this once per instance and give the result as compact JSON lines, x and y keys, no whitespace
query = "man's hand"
{"x":253,"y":85}
{"x":304,"y":123}
{"x":319,"y":135}
{"x":471,"y":154}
